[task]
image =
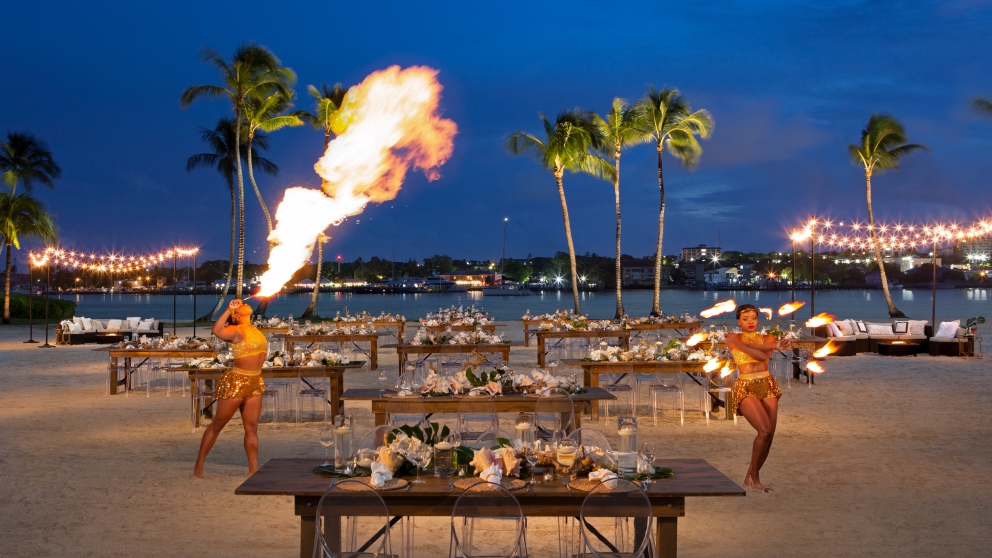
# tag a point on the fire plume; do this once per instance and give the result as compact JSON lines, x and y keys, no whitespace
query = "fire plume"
{"x":821,"y":319}
{"x":727,"y":369}
{"x":721,"y":307}
{"x":790,"y":307}
{"x":695,"y":339}
{"x":386,"y":124}
{"x":814,"y":367}
{"x":767,"y":312}
{"x":825,"y":350}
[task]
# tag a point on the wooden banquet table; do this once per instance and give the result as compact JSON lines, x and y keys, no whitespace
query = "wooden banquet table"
{"x":371,"y":338}
{"x":334,"y":374}
{"x":543,"y":336}
{"x":405,"y":349}
{"x":582,"y":403}
{"x":129,"y":354}
{"x":489,"y":328}
{"x":394,"y":328}
{"x":530,"y":326}
{"x":295,"y":477}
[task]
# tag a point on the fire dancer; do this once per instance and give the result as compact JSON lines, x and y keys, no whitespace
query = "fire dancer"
{"x":239,"y":388}
{"x":755,"y":394}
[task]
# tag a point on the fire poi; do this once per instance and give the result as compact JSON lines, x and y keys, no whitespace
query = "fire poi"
{"x":386,"y":124}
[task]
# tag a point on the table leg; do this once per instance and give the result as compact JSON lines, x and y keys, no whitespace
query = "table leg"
{"x":308,"y":532}
{"x":577,"y":411}
{"x":113,"y":375}
{"x":540,"y":351}
{"x":526,"y":337}
{"x":380,"y":419}
{"x":666,"y":537}
{"x":625,"y":342}
{"x":374,"y":355}
{"x":505,"y":354}
{"x":335,"y":391}
{"x":194,"y":398}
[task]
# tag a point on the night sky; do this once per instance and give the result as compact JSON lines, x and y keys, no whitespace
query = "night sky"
{"x":789,"y":84}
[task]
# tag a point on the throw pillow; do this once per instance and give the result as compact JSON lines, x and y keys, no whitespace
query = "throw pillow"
{"x":145,"y":326}
{"x":845,"y":327}
{"x":947,"y":330}
{"x":155,"y":325}
{"x":87,"y":324}
{"x":114,"y":325}
{"x":134,"y":322}
{"x":880,"y":329}
{"x":76,"y":328}
{"x":834,"y":330}
{"x":862,"y":328}
{"x":76,"y":320}
{"x":98,"y":325}
{"x":901,"y":327}
{"x":917,"y":327}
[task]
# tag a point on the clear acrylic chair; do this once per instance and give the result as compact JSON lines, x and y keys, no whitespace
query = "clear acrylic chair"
{"x":205,"y":393}
{"x":668,"y":384}
{"x":720,"y":387}
{"x":589,"y":438}
{"x":475,"y":416}
{"x":615,"y":522}
{"x":620,"y":383}
{"x":490,"y":439}
{"x":553,"y":411}
{"x":405,"y":411}
{"x":375,"y":438}
{"x":312,"y":388}
{"x":364,"y":533}
{"x":487,"y":521}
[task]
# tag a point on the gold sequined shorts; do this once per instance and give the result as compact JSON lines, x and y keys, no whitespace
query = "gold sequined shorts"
{"x":762,"y":388}
{"x":232,"y":385}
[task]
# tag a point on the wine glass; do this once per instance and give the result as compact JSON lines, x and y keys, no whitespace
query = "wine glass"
{"x":647,"y":452}
{"x":382,"y":380}
{"x":327,"y":440}
{"x":530,"y":454}
{"x":418,"y":458}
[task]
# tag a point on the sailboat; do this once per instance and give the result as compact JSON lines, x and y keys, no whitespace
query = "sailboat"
{"x":505,"y":288}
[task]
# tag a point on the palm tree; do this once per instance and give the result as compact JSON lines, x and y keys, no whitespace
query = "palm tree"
{"x":669,"y":119}
{"x":325,"y":110}
{"x":266,"y":114}
{"x":21,"y":216}
{"x":883,"y":143}
{"x":252,"y":69}
{"x":565,"y":147}
{"x":25,"y":158}
{"x":222,"y":140}
{"x":620,"y":128}
{"x":982,"y":105}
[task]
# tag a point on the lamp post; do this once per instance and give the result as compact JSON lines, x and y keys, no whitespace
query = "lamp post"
{"x":812,"y":274}
{"x":173,"y":291}
{"x":30,"y":297}
{"x":793,"y":277}
{"x":47,"y":282}
{"x":194,"y":292}
{"x":933,"y":305}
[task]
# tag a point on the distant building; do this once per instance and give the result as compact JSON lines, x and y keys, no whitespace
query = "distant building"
{"x":701,"y":252}
{"x":975,"y":248}
{"x":907,"y":263}
{"x":640,"y":273}
{"x":725,"y":275}
{"x":473,"y":277}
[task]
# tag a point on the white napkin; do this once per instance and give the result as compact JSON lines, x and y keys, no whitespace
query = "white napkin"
{"x":380,"y":474}
{"x":404,"y":393}
{"x":492,"y":474}
{"x":602,"y":475}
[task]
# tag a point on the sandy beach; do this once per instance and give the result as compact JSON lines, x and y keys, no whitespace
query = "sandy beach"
{"x":883,"y":457}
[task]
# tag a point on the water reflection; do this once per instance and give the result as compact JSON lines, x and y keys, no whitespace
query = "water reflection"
{"x":907,"y":294}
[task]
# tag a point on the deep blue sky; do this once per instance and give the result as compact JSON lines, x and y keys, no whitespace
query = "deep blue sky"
{"x":790,"y":85}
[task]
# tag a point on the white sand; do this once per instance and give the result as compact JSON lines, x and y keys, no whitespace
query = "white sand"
{"x":883,"y":457}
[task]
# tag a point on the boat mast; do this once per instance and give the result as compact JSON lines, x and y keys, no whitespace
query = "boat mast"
{"x":502,"y":257}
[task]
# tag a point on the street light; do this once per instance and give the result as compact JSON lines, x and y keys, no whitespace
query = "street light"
{"x":30,"y":298}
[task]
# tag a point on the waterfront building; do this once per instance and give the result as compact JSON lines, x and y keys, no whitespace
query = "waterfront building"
{"x":701,"y":252}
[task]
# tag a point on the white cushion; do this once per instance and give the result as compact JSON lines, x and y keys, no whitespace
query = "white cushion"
{"x":87,"y":324}
{"x":845,"y":328}
{"x":145,"y":326}
{"x":114,"y":325}
{"x":834,"y":330}
{"x":76,"y":320}
{"x":947,"y":330}
{"x":845,"y":338}
{"x":917,"y":327}
{"x":860,"y":327}
{"x":155,"y":325}
{"x":98,"y":325}
{"x":75,"y":328}
{"x":880,"y":329}
{"x":134,"y":321}
{"x":900,"y":327}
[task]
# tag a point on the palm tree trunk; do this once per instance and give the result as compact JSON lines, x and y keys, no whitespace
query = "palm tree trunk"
{"x":619,"y":274}
{"x":893,"y":311}
{"x":312,"y":307}
{"x":261,"y":202}
{"x":241,"y":200}
{"x":568,"y":238}
{"x":6,"y":288}
{"x":230,"y":265}
{"x":658,"y":257}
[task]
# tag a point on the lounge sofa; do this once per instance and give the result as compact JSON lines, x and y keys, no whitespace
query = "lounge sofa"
{"x":863,"y":337}
{"x":951,"y":340}
{"x":87,"y":330}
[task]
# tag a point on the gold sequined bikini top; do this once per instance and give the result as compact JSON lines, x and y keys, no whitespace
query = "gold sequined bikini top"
{"x":254,"y":343}
{"x":740,"y":357}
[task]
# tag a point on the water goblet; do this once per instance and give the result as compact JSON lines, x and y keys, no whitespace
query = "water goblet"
{"x":647,"y":451}
{"x":327,"y":440}
{"x":530,"y":454}
{"x":382,"y":381}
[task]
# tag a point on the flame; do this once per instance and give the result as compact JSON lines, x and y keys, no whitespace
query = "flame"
{"x":767,"y":312}
{"x":721,"y":307}
{"x":790,"y":307}
{"x":898,"y":342}
{"x":825,"y":350}
{"x":813,"y":366}
{"x":820,"y":319}
{"x":712,"y":365}
{"x":386,"y":124}
{"x":727,"y":369}
{"x":695,"y":339}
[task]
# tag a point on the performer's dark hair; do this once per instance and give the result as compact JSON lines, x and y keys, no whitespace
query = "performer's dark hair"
{"x":744,"y":308}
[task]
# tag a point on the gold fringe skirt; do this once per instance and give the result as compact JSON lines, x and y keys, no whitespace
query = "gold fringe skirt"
{"x":232,"y":385}
{"x":762,"y":388}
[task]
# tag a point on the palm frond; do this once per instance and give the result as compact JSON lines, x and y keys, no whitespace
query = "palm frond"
{"x":279,"y":122}
{"x":197,"y":91}
{"x":982,"y":105}
{"x":201,"y":160}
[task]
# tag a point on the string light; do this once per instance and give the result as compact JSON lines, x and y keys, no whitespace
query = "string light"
{"x":893,"y":237}
{"x":113,"y":263}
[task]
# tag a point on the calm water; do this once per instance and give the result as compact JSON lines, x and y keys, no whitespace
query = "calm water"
{"x":951,"y":304}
